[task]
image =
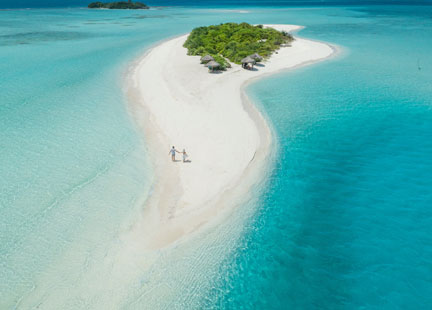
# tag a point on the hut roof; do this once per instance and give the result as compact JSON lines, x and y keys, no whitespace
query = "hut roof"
{"x":247,"y":60}
{"x":213,"y":64}
{"x":206,"y":58}
{"x":256,"y":56}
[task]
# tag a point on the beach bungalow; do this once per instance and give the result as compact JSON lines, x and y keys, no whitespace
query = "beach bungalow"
{"x":248,"y":61}
{"x":257,"y":57}
{"x":213,"y":65}
{"x":207,"y":58}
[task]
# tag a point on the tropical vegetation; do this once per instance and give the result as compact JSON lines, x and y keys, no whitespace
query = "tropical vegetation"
{"x":235,"y":41}
{"x":118,"y":5}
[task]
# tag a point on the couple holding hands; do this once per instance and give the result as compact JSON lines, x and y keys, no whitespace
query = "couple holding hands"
{"x":173,"y":152}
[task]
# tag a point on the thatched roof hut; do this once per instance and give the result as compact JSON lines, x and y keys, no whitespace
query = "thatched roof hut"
{"x":213,"y":65}
{"x":256,"y":57}
{"x":205,"y":59}
{"x":248,"y":60}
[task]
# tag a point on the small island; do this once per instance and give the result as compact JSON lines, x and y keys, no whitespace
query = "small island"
{"x":122,"y":5}
{"x":234,"y":42}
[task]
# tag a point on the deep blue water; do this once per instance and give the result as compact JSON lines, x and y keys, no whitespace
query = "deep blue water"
{"x":344,"y":223}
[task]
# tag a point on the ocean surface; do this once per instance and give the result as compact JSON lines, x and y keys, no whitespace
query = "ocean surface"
{"x":7,"y":4}
{"x":344,"y":220}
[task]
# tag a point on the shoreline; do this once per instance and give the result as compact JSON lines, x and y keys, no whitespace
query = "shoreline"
{"x":183,"y":103}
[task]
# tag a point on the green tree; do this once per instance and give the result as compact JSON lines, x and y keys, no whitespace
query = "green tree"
{"x":235,"y":41}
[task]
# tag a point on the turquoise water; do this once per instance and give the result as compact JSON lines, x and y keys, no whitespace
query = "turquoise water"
{"x":345,"y":220}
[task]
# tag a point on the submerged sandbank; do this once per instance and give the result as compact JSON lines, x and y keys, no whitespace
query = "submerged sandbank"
{"x":177,"y":102}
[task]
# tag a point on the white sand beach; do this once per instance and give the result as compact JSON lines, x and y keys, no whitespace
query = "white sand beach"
{"x":177,"y":102}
